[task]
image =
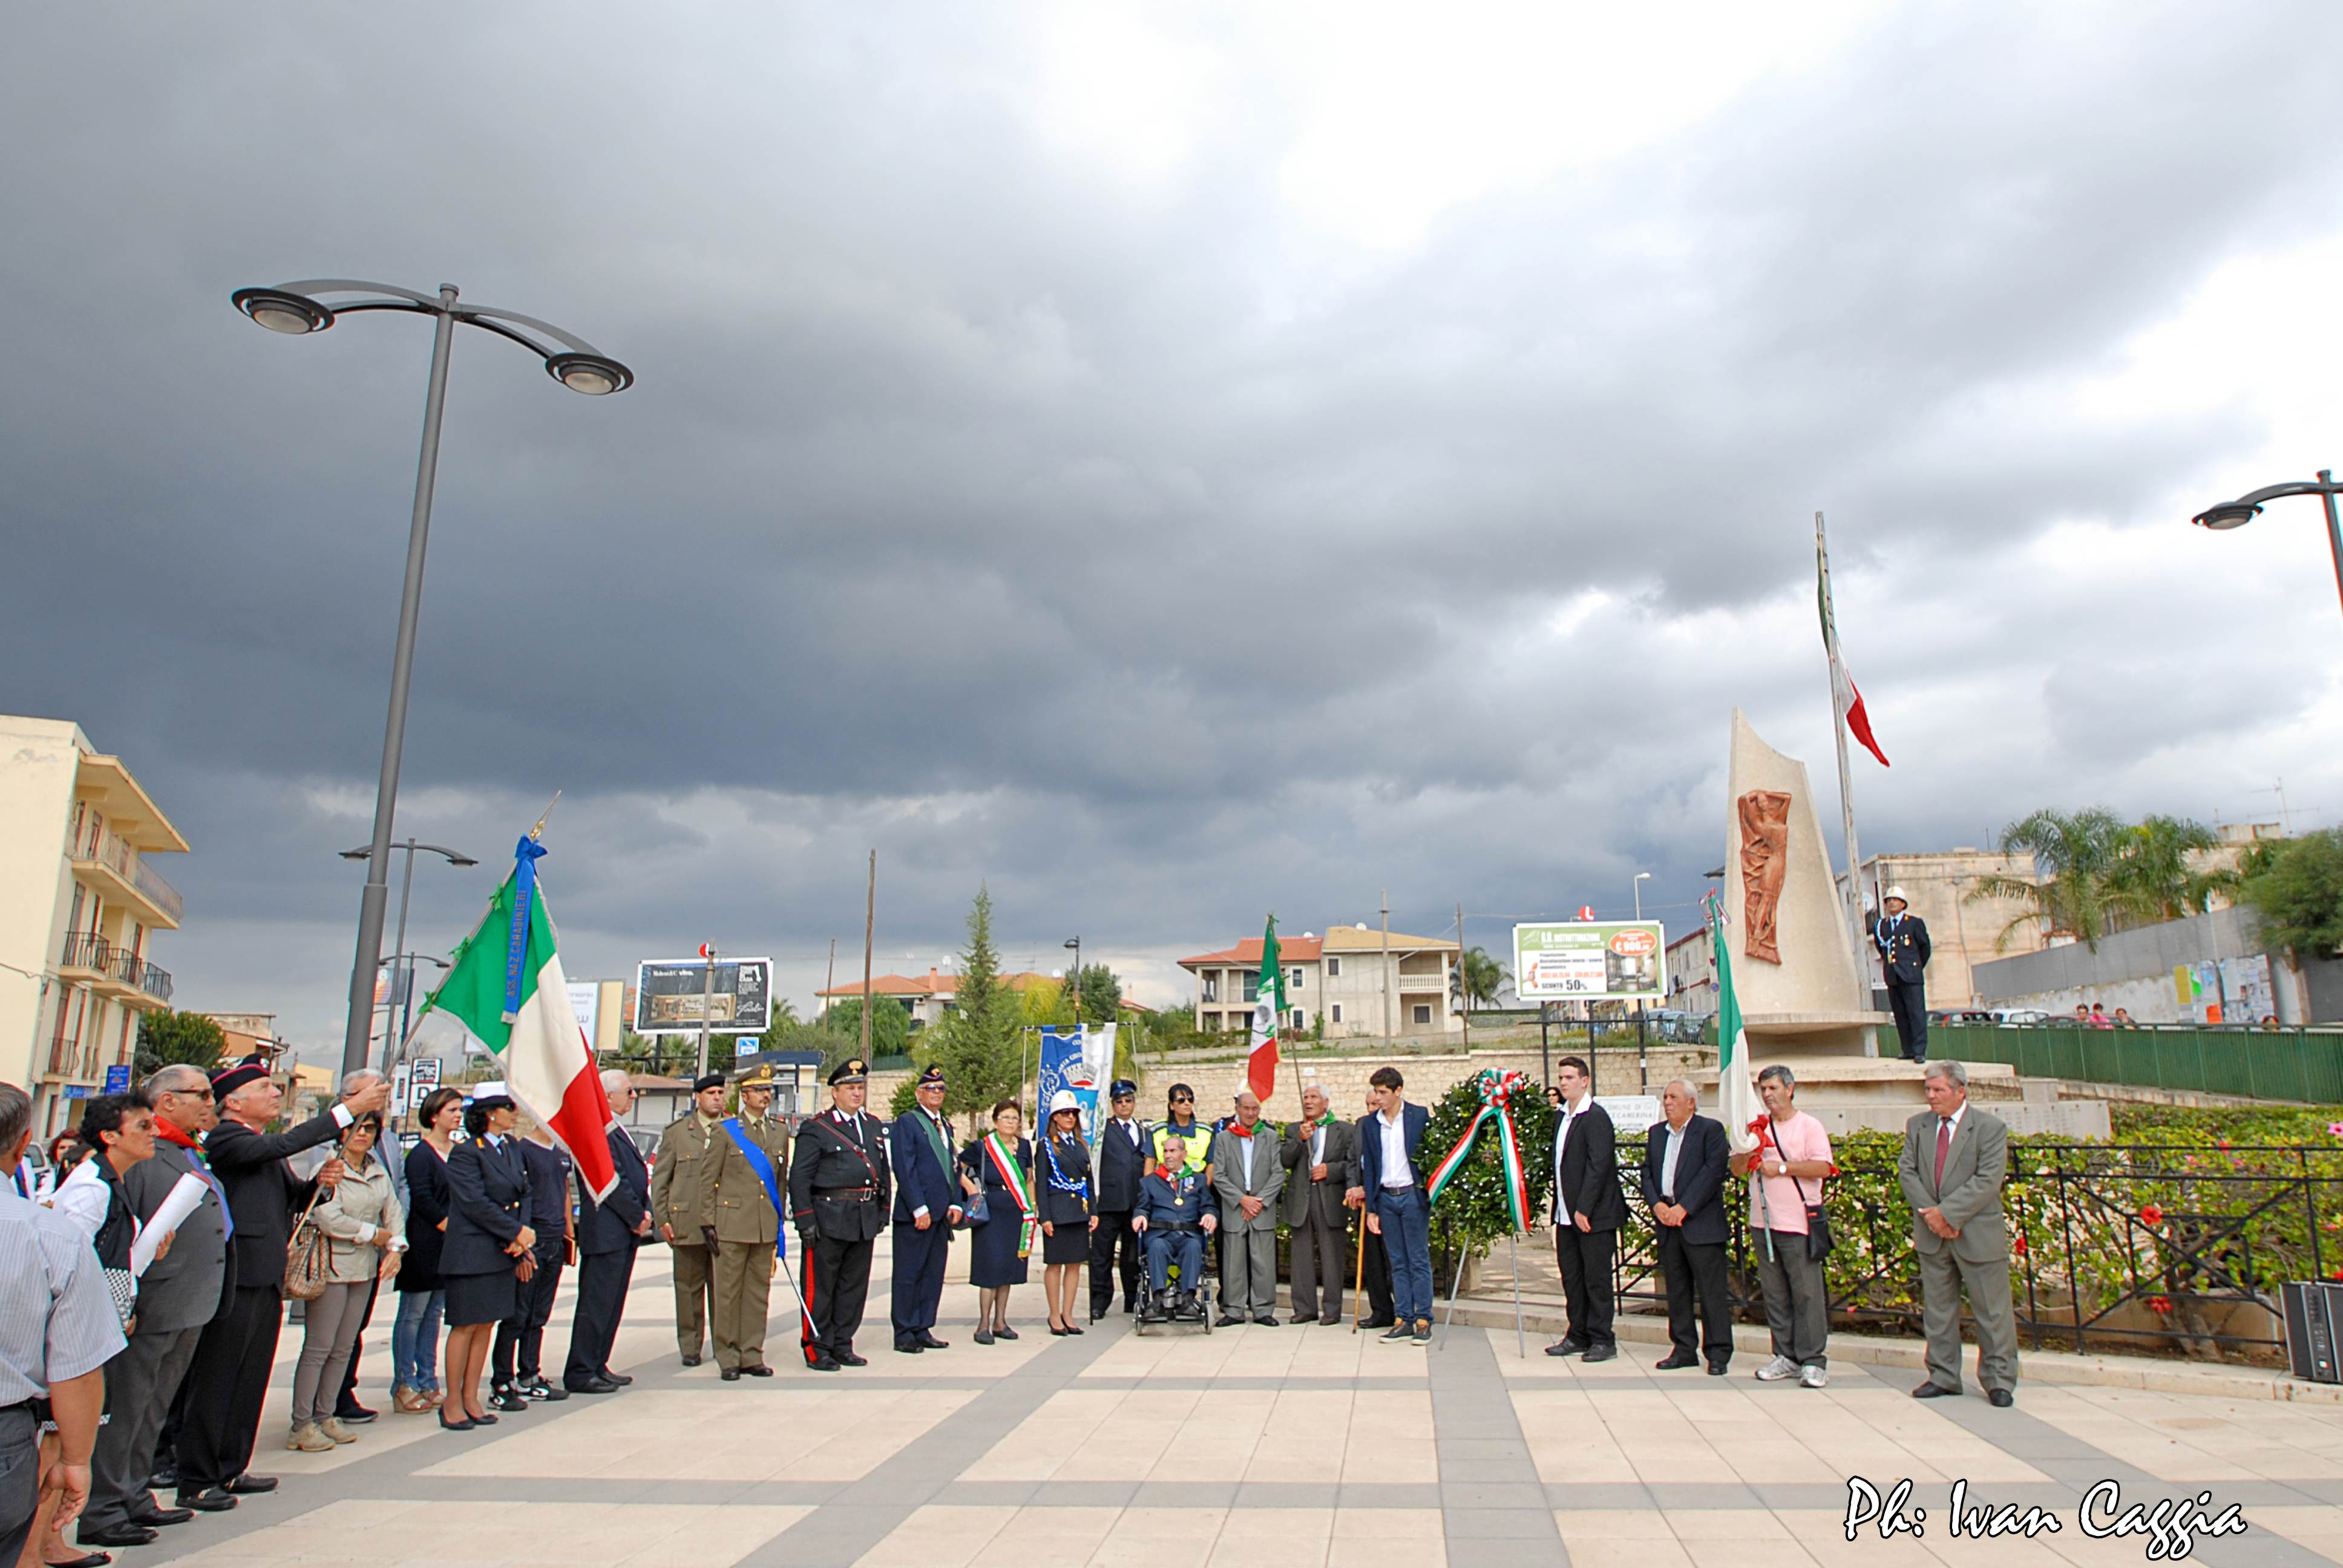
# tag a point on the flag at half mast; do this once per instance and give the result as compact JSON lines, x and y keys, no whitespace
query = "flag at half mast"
{"x":506,"y":989}
{"x":1738,"y":1105}
{"x":1268,"y":1012}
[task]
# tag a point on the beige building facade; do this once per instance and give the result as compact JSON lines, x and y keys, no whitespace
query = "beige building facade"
{"x":1338,"y":979}
{"x":79,"y":907}
{"x":1963,"y":931}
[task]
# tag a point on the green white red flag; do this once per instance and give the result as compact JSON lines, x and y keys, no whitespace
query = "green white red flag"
{"x":1268,"y":1012}
{"x":1738,"y":1105}
{"x":508,"y":991}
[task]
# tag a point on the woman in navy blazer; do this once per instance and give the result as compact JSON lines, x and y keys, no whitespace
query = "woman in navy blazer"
{"x":488,"y":1242}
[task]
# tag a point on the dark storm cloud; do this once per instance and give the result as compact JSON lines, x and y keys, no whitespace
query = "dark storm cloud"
{"x":1094,"y":541}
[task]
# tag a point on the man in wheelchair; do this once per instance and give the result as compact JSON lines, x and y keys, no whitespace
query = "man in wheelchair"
{"x":1175,"y":1214}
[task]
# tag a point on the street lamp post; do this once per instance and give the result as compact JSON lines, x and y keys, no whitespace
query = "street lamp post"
{"x":293,"y":309}
{"x":2236,"y":514}
{"x":1641,"y":877}
{"x":398,"y":946}
{"x":1076,"y":943}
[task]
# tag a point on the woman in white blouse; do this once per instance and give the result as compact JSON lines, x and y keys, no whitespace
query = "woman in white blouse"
{"x":366,"y":1231}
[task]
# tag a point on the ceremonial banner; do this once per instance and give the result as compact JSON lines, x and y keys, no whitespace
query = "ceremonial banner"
{"x":1066,"y":1064}
{"x":508,"y":991}
{"x":1738,"y":1105}
{"x":1268,"y":1013}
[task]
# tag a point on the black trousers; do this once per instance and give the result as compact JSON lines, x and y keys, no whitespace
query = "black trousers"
{"x":1908,"y":999}
{"x":1694,"y":1272}
{"x":601,"y":1299}
{"x":141,"y":1384}
{"x":226,"y":1385}
{"x":524,"y":1336}
{"x":835,"y":1276}
{"x":1379,"y":1286}
{"x":1584,"y":1257}
{"x":1114,"y":1236}
{"x":918,"y":1289}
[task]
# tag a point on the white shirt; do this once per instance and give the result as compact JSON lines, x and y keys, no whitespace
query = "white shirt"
{"x":1244,"y":1152}
{"x":1398,"y":1175}
{"x":1129,"y":1131}
{"x":1668,"y":1160}
{"x":1571,"y":1110}
{"x":1318,"y":1145}
{"x":1953,"y":1121}
{"x":82,"y":1197}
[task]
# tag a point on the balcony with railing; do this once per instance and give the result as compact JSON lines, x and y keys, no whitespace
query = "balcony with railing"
{"x":118,"y":971}
{"x":1433,"y":979}
{"x":86,"y":955}
{"x":101,"y":851}
{"x":140,"y":976}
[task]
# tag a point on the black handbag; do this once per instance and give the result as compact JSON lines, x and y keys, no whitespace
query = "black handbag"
{"x":1818,"y":1236}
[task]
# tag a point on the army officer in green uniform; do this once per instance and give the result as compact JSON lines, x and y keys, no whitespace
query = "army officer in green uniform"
{"x":675,"y":1207}
{"x":739,"y":1220}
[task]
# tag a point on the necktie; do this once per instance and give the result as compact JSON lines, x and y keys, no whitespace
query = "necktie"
{"x":1943,"y":1146}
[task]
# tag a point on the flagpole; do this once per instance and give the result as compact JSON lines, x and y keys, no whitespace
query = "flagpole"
{"x":1853,"y":899}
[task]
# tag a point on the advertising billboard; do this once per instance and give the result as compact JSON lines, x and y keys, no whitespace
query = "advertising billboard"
{"x":1591,"y":961}
{"x":667,"y":995}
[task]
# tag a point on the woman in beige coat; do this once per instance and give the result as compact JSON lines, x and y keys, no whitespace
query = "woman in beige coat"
{"x":365,"y":1231}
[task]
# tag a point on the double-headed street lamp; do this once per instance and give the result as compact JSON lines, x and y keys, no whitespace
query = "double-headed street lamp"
{"x":1076,"y":943}
{"x":399,"y":955}
{"x":1641,"y":877}
{"x":294,"y":309}
{"x":2236,"y":514}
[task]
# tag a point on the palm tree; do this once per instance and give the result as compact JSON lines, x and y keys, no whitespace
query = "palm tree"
{"x":2156,"y":881}
{"x":1483,"y":977}
{"x":2075,"y":857}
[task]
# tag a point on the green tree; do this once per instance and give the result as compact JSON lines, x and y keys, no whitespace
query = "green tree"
{"x":979,"y":1042}
{"x":2075,"y":857}
{"x":1100,"y":995}
{"x":1483,"y":977}
{"x":2155,"y":881}
{"x":891,"y":1031}
{"x":2296,"y":887}
{"x":167,"y":1038}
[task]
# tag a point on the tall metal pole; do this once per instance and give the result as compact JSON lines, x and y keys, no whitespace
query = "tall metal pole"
{"x":707,"y":999}
{"x":1854,"y":899}
{"x":372,"y":902}
{"x":1463,"y":982}
{"x":1387,"y":974}
{"x":869,"y":924}
{"x":829,"y":980}
{"x":403,"y":959}
{"x":2334,"y":539}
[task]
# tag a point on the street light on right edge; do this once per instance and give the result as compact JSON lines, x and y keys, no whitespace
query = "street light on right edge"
{"x":2236,"y":514}
{"x":1641,"y":877}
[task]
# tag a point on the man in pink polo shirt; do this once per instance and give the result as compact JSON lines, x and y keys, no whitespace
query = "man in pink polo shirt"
{"x":1787,"y":1172}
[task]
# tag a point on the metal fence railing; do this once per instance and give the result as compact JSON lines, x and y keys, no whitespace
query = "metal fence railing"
{"x":2299,"y":1064}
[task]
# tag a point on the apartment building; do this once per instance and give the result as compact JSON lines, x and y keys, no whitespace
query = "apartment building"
{"x":79,"y":906}
{"x":929,"y":998}
{"x":1340,"y":978}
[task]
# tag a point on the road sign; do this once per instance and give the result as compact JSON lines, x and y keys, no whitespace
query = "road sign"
{"x":1591,"y":961}
{"x":401,"y":1088}
{"x":117,"y":1078}
{"x":425,"y":1073}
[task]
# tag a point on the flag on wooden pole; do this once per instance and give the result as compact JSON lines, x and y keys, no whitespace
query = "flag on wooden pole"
{"x":1268,"y":1012}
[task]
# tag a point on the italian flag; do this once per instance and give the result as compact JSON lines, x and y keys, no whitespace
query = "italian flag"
{"x":506,"y":989}
{"x":1738,"y":1105}
{"x":1268,"y":1010}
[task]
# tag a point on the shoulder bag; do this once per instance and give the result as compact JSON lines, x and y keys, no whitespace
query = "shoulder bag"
{"x":308,"y":1254}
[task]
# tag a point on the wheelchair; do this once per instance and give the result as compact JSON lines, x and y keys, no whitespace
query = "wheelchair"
{"x":1187,"y":1310}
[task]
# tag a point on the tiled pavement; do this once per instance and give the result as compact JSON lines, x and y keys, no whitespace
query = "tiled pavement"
{"x":1292,"y":1446}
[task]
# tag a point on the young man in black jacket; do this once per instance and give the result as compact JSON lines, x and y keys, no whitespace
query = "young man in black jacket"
{"x":1589,"y":1210}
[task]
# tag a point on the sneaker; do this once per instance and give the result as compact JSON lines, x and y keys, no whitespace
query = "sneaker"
{"x":304,"y":1438}
{"x":1423,"y":1331}
{"x":1813,"y":1377}
{"x":332,"y":1427}
{"x":1399,"y":1332}
{"x":1777,"y":1370}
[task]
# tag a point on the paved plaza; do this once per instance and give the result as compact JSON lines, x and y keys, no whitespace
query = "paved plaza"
{"x":1292,"y":1446}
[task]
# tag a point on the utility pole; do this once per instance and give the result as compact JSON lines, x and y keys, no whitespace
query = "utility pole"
{"x":707,"y":998}
{"x":1464,"y":980}
{"x":869,"y":924}
{"x":829,"y":980}
{"x":1387,"y":974}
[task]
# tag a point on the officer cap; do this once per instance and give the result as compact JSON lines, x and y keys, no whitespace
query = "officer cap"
{"x":1121,"y":1089}
{"x":853,"y":1070}
{"x":491,"y":1096}
{"x":757,"y":1077}
{"x":228,"y":1080}
{"x":706,"y":1081}
{"x":1897,"y":894}
{"x":932,"y":1073}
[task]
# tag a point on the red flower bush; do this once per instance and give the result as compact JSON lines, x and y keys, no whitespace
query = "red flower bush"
{"x":2161,"y":1305}
{"x":2149,"y":1214}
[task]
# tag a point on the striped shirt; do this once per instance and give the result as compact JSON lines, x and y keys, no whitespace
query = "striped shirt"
{"x":57,"y":1317}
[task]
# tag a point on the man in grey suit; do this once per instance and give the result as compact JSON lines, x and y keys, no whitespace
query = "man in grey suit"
{"x":1247,"y":1178}
{"x":1954,"y":1160}
{"x":177,"y":1297}
{"x":1321,"y":1158}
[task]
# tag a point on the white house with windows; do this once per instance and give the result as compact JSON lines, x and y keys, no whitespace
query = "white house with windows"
{"x":1345,"y":978}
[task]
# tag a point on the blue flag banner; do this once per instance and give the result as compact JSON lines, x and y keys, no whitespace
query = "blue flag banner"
{"x":1065,"y":1065}
{"x":526,"y":854}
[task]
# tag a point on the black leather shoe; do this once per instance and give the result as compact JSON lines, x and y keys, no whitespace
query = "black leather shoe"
{"x":1376,"y":1323}
{"x":506,"y":1399}
{"x":594,"y":1385}
{"x":161,"y":1518}
{"x":210,"y":1499}
{"x":1229,"y":1320}
{"x":929,"y":1343}
{"x":1266,"y":1321}
{"x":251,"y":1485}
{"x":821,"y":1363}
{"x":1005,"y":1332}
{"x":1564,"y":1348}
{"x":848,"y":1358}
{"x":908,"y":1347}
{"x":1716,"y":1369}
{"x":618,"y":1379}
{"x":1936,"y":1390}
{"x":355,"y":1415}
{"x":1601,"y":1353}
{"x":730,"y":1374}
{"x":2001,"y":1399}
{"x":762,"y":1371}
{"x":164,"y":1480}
{"x":1675,"y":1362}
{"x":985,"y":1336}
{"x":691,"y":1360}
{"x":117,"y":1535}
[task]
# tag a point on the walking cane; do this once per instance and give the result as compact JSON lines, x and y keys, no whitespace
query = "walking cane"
{"x":1359,"y":1279}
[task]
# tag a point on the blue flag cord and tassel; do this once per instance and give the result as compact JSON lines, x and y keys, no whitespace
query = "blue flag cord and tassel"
{"x":526,"y":854}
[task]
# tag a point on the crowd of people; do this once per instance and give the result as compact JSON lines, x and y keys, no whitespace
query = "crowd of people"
{"x":171,"y":1229}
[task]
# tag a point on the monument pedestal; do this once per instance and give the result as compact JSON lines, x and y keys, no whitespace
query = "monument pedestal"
{"x":1818,"y":1033}
{"x":1848,"y":1092}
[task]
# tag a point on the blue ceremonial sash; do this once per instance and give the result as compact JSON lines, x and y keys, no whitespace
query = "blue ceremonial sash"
{"x":763,"y":1167}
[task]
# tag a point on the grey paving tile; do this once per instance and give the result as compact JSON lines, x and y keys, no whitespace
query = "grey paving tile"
{"x":1499,"y":1524}
{"x":1492,"y":1494}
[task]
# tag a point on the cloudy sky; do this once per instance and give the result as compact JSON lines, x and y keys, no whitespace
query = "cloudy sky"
{"x":1166,"y":462}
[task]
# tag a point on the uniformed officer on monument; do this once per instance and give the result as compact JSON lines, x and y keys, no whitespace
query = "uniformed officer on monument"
{"x":838,"y":1198}
{"x":739,"y":1220}
{"x":675,"y":1207}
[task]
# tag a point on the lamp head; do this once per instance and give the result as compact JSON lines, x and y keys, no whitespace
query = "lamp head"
{"x":280,"y":311}
{"x":2228,"y":514}
{"x":589,"y":374}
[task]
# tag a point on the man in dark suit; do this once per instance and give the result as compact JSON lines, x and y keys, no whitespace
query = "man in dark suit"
{"x":1684,"y":1185}
{"x":178,"y":1294}
{"x":609,"y":1232}
{"x":1955,"y":1159}
{"x":1589,"y":1210}
{"x":1115,"y":1198}
{"x":1392,"y":1177}
{"x":927,"y":1207}
{"x":228,"y":1381}
{"x":1902,"y":940}
{"x":840,"y":1198}
{"x":1321,"y":1156}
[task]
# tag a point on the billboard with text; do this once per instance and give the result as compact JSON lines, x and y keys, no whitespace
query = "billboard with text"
{"x":669,"y":992}
{"x":1591,"y":961}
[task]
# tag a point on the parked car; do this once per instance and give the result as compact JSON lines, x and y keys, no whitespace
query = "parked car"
{"x":1963,"y":1015}
{"x":2020,"y":1015}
